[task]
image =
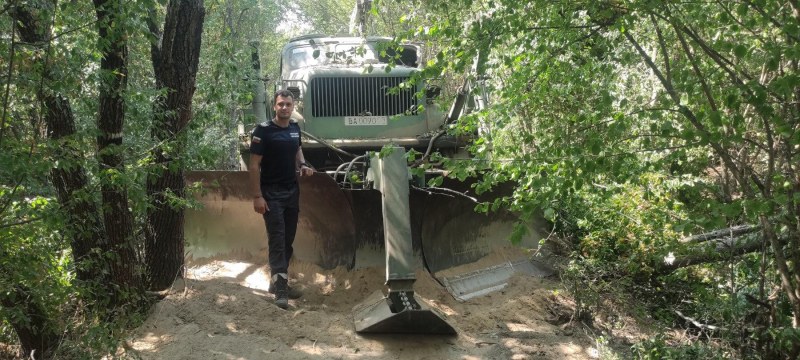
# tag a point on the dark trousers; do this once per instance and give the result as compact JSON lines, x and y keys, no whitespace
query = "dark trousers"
{"x":281,"y":222}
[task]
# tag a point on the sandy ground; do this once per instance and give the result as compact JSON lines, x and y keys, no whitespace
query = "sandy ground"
{"x":223,"y":310}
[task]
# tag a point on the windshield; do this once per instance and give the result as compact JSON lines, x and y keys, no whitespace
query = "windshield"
{"x":369,"y":53}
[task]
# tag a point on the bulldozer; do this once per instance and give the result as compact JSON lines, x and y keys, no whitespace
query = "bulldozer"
{"x":363,"y":207}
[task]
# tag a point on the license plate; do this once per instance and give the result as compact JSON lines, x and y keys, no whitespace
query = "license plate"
{"x":365,"y":120}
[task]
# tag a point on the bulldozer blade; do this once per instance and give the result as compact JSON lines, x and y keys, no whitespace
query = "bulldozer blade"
{"x":227,"y":227}
{"x":368,"y":223}
{"x":387,"y":314}
{"x":471,"y":253}
{"x":453,"y":233}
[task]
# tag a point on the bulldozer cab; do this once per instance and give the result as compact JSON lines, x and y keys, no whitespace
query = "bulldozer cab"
{"x":358,"y":94}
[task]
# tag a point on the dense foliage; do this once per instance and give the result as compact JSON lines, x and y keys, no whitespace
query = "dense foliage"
{"x":633,"y":124}
{"x":92,"y":139}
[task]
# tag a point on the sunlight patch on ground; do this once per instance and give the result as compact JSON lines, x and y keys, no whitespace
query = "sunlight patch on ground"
{"x":438,"y":305}
{"x":150,"y":342}
{"x":593,"y":353}
{"x":225,"y":313}
{"x":232,"y":327}
{"x":328,"y":283}
{"x":320,"y":279}
{"x":518,"y":327}
{"x":258,"y":280}
{"x":309,"y":347}
{"x":225,"y":356}
{"x":300,"y":276}
{"x":518,"y":346}
{"x":222,"y":298}
{"x":218,"y":269}
{"x":314,"y":347}
{"x":251,"y":275}
{"x":571,"y":349}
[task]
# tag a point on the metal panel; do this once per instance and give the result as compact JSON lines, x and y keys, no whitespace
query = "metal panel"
{"x":228,"y":228}
{"x":357,"y":96}
{"x":482,"y":282}
{"x":391,"y":179}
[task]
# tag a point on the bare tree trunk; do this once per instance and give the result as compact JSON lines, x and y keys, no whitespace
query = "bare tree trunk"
{"x":117,"y":217}
{"x":175,"y":61}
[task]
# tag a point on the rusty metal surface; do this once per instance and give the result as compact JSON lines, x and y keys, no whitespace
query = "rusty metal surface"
{"x":227,"y":226}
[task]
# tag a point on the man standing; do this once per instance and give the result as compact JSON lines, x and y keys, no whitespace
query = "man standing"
{"x":276,"y":157}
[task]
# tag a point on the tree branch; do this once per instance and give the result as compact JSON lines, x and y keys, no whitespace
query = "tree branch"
{"x":663,"y":45}
{"x":21,"y":222}
{"x":764,"y":187}
{"x":755,"y":34}
{"x":726,"y":158}
{"x":8,"y":80}
{"x":727,"y":65}
{"x":770,"y":19}
{"x":594,"y":26}
{"x":783,"y":268}
{"x":696,"y":68}
{"x":698,"y":324}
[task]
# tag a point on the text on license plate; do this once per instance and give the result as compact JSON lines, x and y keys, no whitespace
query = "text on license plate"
{"x":364,"y":120}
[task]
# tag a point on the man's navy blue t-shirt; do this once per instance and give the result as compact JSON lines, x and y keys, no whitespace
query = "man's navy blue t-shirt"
{"x":278,"y":147}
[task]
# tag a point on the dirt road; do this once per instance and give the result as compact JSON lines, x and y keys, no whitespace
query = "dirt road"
{"x":224,"y":311}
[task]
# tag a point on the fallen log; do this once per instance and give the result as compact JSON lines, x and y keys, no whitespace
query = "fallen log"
{"x":716,"y":234}
{"x":703,"y":327}
{"x":712,"y":250}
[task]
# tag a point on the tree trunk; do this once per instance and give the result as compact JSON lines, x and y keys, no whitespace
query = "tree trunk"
{"x":175,"y":61}
{"x":85,"y":229}
{"x":36,"y":335}
{"x":83,"y":223}
{"x":117,"y":217}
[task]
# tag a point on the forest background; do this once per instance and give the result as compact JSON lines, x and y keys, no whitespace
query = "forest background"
{"x":631,"y":125}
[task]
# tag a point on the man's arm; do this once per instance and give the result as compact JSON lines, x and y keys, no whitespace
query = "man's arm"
{"x":300,"y":162}
{"x":299,"y":158}
{"x":254,"y":172}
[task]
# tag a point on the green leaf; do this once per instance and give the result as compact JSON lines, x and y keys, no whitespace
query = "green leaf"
{"x":740,"y":51}
{"x":741,"y":10}
{"x":550,"y":214}
{"x":716,"y":118}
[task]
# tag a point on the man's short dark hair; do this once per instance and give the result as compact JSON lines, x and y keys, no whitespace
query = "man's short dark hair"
{"x":284,"y":93}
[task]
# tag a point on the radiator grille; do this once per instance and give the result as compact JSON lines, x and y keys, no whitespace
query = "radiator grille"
{"x":360,"y":96}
